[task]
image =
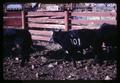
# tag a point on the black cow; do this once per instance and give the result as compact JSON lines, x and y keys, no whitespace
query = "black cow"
{"x":75,"y":40}
{"x":109,"y":34}
{"x":17,"y":41}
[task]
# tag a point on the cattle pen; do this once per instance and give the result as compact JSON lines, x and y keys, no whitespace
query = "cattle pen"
{"x":42,"y":23}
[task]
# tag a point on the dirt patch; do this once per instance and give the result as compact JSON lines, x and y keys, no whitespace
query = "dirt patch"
{"x":47,"y":62}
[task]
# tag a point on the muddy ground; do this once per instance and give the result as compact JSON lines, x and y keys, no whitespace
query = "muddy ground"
{"x":48,"y":62}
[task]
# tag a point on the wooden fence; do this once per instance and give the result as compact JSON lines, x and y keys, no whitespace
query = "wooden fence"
{"x":41,"y":23}
{"x":12,"y":18}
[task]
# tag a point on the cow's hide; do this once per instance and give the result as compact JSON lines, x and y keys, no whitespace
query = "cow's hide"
{"x":17,"y":41}
{"x":109,"y":34}
{"x":77,"y":40}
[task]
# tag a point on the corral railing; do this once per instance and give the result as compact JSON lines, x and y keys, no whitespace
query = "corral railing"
{"x":13,"y":18}
{"x":42,"y":23}
{"x":92,"y":20}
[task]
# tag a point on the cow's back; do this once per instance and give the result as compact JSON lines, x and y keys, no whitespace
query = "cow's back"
{"x":9,"y":34}
{"x":109,"y":34}
{"x":24,"y":36}
{"x":87,"y":37}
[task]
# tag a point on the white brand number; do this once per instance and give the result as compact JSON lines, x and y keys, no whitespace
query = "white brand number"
{"x":75,"y":41}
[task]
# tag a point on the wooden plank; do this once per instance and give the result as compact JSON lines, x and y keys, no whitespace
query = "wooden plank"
{"x":34,"y":37}
{"x":41,"y":20}
{"x":13,"y":13}
{"x":93,"y":21}
{"x":40,"y":13}
{"x":13,"y":22}
{"x":56,"y":17}
{"x":42,"y":33}
{"x":11,"y":17}
{"x":83,"y":27}
{"x":50,"y":26}
{"x":18,"y":27}
{"x":93,"y":14}
{"x":76,"y":27}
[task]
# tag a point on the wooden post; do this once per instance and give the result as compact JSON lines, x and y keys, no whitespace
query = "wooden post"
{"x":23,"y":19}
{"x":66,"y":20}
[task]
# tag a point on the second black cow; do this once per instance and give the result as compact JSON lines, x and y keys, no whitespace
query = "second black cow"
{"x":109,"y":34}
{"x":17,"y":41}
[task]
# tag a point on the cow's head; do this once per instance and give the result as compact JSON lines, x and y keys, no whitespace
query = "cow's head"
{"x":57,"y":35}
